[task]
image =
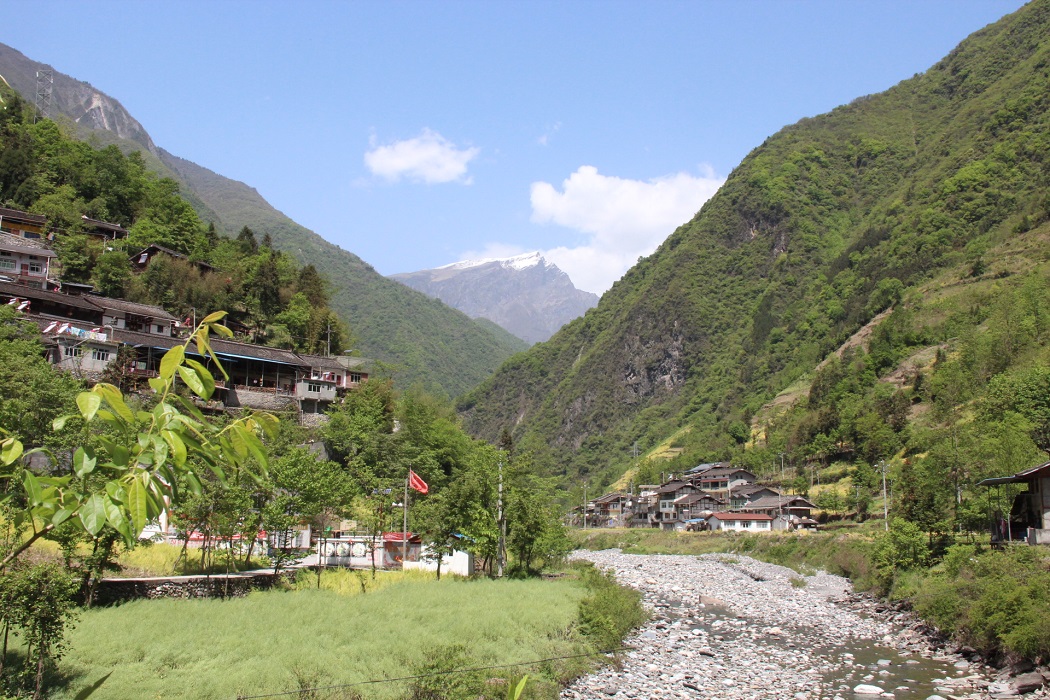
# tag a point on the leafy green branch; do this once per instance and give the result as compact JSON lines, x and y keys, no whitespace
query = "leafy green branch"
{"x":146,"y":456}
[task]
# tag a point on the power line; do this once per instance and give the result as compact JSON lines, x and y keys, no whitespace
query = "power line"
{"x":430,"y":675}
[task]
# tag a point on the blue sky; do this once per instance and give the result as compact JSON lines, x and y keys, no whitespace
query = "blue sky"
{"x":420,"y":133}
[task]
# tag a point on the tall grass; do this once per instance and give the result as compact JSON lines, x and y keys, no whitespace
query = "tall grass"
{"x":283,"y":640}
{"x":843,"y":554}
{"x":349,"y":582}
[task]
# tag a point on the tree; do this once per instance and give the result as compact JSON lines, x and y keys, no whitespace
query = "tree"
{"x":112,"y":274}
{"x":38,"y":602}
{"x":303,"y":488}
{"x":534,"y":528}
{"x":246,"y":237}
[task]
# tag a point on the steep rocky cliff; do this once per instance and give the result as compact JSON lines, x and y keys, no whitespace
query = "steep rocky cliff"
{"x":90,"y":109}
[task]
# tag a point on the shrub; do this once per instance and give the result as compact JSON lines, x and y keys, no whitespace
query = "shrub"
{"x":610,"y":611}
{"x":443,"y":675}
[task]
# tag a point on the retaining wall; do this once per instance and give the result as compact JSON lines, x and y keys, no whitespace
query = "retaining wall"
{"x":112,"y":591}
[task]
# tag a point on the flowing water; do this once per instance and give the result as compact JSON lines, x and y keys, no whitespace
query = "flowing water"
{"x":842,"y":667}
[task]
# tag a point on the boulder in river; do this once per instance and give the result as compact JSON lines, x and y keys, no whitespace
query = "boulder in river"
{"x":865,"y":689}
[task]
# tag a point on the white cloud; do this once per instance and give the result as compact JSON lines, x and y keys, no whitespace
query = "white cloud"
{"x":429,"y":158}
{"x":494,"y":250}
{"x":544,"y":138}
{"x":624,"y":219}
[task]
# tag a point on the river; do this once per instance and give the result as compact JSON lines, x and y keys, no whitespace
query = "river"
{"x":728,"y":627}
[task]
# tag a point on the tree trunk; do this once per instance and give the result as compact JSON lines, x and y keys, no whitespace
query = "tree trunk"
{"x":39,"y":673}
{"x":3,"y":656}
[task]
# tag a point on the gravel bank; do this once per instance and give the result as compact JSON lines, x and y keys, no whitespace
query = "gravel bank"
{"x":728,"y":627}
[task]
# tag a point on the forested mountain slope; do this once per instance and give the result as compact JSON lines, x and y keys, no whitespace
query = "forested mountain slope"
{"x":423,"y":340}
{"x":826,"y":224}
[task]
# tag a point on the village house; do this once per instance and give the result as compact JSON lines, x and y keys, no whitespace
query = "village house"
{"x":742,"y":522}
{"x":746,"y":493}
{"x":140,"y":260}
{"x":103,"y":229}
{"x":610,"y":510}
{"x":722,"y":479}
{"x":1028,"y":518}
{"x":696,"y":506}
{"x":83,"y":332}
{"x":791,"y":505}
{"x":22,"y":224}
{"x":26,"y":261}
{"x":666,"y":513}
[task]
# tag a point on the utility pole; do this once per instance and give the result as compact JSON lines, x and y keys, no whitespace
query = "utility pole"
{"x":501,"y":553}
{"x":585,"y":505}
{"x":885,"y":499}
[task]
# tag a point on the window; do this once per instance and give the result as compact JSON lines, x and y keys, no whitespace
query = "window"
{"x":160,"y":328}
{"x":100,"y":354}
{"x":73,"y":351}
{"x":7,"y":264}
{"x":313,"y":388}
{"x":746,"y":524}
{"x":35,"y":266}
{"x":355,"y":377}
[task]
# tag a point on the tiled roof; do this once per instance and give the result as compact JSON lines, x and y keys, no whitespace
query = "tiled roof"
{"x":104,"y":225}
{"x":256,"y":352}
{"x":672,"y":486}
{"x":221,"y":347}
{"x":701,"y":468}
{"x":10,"y":289}
{"x":329,"y":364}
{"x":22,"y":216}
{"x":748,"y":489}
{"x":131,"y":307}
{"x":722,"y":472}
{"x":741,"y":516}
{"x":771,"y":502}
{"x":28,"y":246}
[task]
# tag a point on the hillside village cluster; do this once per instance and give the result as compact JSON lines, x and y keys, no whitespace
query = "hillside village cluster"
{"x":712,"y":496}
{"x":84,"y":333}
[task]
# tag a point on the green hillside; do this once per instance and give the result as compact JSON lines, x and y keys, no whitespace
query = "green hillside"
{"x":826,"y":224}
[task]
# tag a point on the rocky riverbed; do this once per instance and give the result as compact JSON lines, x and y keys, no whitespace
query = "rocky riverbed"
{"x":728,"y":627}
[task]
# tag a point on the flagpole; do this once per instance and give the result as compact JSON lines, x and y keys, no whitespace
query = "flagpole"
{"x":404,"y":531}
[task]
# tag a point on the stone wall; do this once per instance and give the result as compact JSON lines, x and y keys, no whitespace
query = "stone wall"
{"x":112,"y":591}
{"x":314,"y":420}
{"x":261,"y":399}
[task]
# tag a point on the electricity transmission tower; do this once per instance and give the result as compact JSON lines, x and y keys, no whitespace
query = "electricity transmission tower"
{"x":45,"y":83}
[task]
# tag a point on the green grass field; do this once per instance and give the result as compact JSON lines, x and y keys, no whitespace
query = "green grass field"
{"x":285,"y":640}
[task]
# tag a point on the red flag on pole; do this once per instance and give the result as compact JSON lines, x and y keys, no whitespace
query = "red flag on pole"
{"x":415,"y":483}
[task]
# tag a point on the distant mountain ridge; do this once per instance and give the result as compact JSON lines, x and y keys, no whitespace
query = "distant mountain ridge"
{"x":419,"y":339}
{"x":526,"y":295}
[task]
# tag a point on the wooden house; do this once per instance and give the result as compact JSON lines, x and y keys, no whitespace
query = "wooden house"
{"x":1029,"y":514}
